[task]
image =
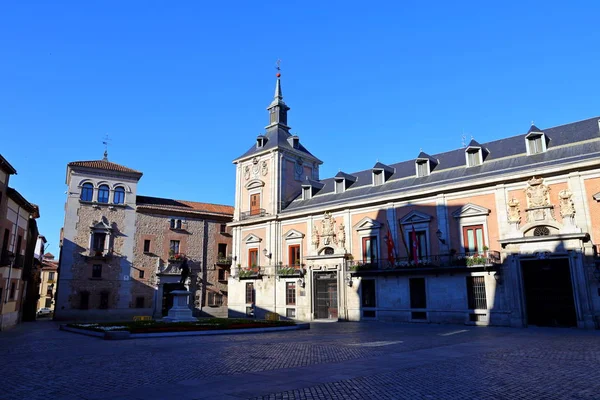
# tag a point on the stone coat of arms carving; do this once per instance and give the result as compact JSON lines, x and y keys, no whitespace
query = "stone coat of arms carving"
{"x":330,"y":234}
{"x":567,"y":208}
{"x":538,"y":201}
{"x":514,"y":213}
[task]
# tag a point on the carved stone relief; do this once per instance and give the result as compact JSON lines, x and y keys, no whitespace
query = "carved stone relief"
{"x":514,"y":212}
{"x":264,"y":168}
{"x":299,"y":169}
{"x":315,"y":237}
{"x":538,"y":201}
{"x":247,"y":172}
{"x":330,"y":234}
{"x":567,"y":208}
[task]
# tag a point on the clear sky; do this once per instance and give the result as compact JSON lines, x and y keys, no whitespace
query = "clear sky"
{"x":181,"y":87}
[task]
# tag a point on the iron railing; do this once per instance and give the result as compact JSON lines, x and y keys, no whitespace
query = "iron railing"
{"x":249,"y":272}
{"x":221,"y":260}
{"x":432,"y":261}
{"x":289,"y":270}
{"x":256,"y":213}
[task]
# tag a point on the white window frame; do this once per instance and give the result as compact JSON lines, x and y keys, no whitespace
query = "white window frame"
{"x":293,"y":237}
{"x":338,"y":182}
{"x":533,"y":136}
{"x":419,"y":226}
{"x":306,"y":192}
{"x":470,"y":150}
{"x":420,"y":162}
{"x":378,"y":173}
{"x":471,"y":215}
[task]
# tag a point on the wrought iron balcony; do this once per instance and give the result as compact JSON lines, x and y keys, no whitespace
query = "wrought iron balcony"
{"x":222,"y":260}
{"x":289,"y":270}
{"x":457,"y":260}
{"x":99,"y":254}
{"x":256,"y":213}
{"x":249,"y":272}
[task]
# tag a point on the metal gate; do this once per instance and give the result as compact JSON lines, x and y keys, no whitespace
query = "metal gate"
{"x":326,"y":299}
{"x":549,"y":292}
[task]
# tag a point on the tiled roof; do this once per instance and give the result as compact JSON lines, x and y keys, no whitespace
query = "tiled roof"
{"x":577,"y":141}
{"x":157,"y":203}
{"x":103,"y":164}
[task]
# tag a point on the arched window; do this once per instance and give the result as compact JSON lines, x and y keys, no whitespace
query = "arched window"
{"x":87,"y":192}
{"x":103,"y":192}
{"x":119,"y":195}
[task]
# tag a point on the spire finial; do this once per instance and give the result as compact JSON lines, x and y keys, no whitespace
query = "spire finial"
{"x":105,"y":143}
{"x":532,"y":124}
{"x":278,"y":94}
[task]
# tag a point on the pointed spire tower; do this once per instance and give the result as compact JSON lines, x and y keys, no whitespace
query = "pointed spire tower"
{"x":278,"y":109}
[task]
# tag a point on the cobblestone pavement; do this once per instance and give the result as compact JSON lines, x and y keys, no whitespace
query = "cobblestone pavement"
{"x":331,"y":361}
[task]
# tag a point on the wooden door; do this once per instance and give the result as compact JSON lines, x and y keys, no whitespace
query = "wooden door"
{"x":255,"y":204}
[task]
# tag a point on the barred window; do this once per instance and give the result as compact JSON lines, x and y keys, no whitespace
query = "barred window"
{"x":215,"y":299}
{"x":476,"y":292}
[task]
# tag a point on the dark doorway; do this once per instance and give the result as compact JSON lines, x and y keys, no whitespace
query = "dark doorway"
{"x":326,"y":301}
{"x":167,"y":300}
{"x":418,"y":297}
{"x":549,"y":293}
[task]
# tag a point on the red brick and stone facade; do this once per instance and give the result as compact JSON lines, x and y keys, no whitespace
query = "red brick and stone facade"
{"x":118,"y":258}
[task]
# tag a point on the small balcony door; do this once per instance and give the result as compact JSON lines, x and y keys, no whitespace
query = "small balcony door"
{"x":473,"y":239}
{"x":255,"y":204}
{"x":253,"y":258}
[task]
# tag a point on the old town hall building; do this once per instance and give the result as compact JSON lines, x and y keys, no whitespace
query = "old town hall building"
{"x":497,"y":233}
{"x":121,"y":253}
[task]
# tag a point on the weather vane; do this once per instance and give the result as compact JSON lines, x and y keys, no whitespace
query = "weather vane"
{"x":278,"y":67}
{"x":105,"y":142}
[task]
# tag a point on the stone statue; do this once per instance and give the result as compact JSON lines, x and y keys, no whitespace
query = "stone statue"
{"x":514,"y":213}
{"x":185,"y":271}
{"x":341,"y":236}
{"x":327,"y":232}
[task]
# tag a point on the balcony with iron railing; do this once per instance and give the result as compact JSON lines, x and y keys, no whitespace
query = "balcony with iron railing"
{"x":249,"y":272}
{"x":289,"y":271}
{"x":224,"y":260}
{"x":256,"y":213}
{"x":98,"y":254}
{"x":441,"y":261}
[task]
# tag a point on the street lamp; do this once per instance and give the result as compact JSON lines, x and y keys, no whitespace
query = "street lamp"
{"x":438,"y":233}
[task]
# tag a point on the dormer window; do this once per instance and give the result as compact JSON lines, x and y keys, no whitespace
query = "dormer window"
{"x":424,"y":164}
{"x":261,"y":141}
{"x":473,"y":157}
{"x":422,"y":168}
{"x":294,"y":141}
{"x":475,"y":154}
{"x":381,"y":173}
{"x":339,"y":186}
{"x":535,"y":141}
{"x":377,"y":178}
{"x":306,"y":193}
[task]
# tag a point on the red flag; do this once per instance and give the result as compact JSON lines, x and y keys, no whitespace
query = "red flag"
{"x":415,"y":245}
{"x":390,"y":246}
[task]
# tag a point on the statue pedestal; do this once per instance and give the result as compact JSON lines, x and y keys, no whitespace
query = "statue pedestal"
{"x":180,"y":312}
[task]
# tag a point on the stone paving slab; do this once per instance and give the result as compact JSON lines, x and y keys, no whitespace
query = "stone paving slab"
{"x":343,"y":360}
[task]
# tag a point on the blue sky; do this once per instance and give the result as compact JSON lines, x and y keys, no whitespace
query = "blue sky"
{"x":181,"y":87}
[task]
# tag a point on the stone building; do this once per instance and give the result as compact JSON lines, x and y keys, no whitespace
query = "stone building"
{"x":48,"y":277}
{"x":18,"y":230}
{"x":497,"y":233}
{"x":121,"y":253}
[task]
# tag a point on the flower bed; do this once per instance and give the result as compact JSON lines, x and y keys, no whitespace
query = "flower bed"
{"x":200,"y":325}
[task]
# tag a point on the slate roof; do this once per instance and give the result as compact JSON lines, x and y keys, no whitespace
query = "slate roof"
{"x":567,"y":143}
{"x":105,"y":165}
{"x":277,"y":138}
{"x":160,"y":204}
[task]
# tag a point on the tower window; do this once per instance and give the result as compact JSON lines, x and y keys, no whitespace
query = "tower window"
{"x":119,"y":196}
{"x":87,"y":192}
{"x":103,"y":193}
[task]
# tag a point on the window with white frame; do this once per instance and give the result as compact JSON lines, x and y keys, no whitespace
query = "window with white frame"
{"x":422,"y":168}
{"x":473,"y":157}
{"x":472,"y":224}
